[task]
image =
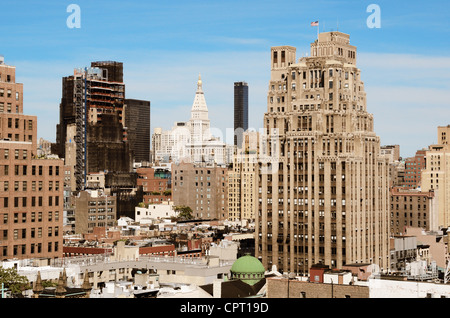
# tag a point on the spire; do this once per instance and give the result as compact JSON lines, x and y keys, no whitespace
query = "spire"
{"x":199,"y":122}
{"x":64,"y":278}
{"x":199,"y":100}
{"x":60,"y":290}
{"x":38,"y":288}
{"x":86,"y":285}
{"x":199,"y":83}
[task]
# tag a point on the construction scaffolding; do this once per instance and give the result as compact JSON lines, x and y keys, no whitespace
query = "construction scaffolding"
{"x":92,"y":106}
{"x":80,"y":91}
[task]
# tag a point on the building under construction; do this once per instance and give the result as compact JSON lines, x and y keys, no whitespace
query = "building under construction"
{"x":90,"y":134}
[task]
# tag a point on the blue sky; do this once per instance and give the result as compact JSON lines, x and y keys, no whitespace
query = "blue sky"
{"x":164,"y":45}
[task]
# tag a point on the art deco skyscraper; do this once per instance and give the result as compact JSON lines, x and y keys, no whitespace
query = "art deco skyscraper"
{"x":325,"y":199}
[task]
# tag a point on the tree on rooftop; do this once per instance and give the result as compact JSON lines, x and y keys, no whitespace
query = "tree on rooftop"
{"x":184,"y":212}
{"x":13,"y":281}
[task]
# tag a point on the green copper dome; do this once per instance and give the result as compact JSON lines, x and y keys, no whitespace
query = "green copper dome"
{"x":248,"y":269}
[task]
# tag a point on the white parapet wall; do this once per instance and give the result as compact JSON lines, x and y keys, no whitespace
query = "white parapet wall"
{"x":384,"y":288}
{"x":147,"y":215}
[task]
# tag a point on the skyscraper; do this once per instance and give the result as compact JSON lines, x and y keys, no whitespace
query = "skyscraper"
{"x":199,"y":123}
{"x":240,"y":111}
{"x":192,"y":141}
{"x":137,"y":122}
{"x":326,"y":199}
{"x":91,"y":121}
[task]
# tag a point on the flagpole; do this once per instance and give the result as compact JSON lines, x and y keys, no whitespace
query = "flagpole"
{"x":317,"y":31}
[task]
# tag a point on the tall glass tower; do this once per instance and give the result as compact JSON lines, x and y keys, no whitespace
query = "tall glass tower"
{"x":240,"y":111}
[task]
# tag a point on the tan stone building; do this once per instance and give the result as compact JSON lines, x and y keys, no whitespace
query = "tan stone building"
{"x":31,"y":189}
{"x":242,"y":180}
{"x":393,"y":151}
{"x":436,"y":175}
{"x":396,"y":164}
{"x":443,"y":135}
{"x":326,"y":199}
{"x":11,"y":93}
{"x":93,"y":209}
{"x":202,"y":187}
{"x":437,"y":241}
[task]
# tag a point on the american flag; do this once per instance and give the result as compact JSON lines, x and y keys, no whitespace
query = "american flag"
{"x":315,"y":23}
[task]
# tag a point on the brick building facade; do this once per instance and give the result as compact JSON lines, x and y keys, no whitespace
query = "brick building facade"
{"x":156,"y":184}
{"x":202,"y":187}
{"x":412,"y":208}
{"x":31,"y":188}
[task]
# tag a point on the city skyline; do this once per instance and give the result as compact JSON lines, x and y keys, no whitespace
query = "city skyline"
{"x":164,"y":47}
{"x":314,"y":201}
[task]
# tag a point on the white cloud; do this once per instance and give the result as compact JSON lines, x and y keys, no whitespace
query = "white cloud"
{"x":399,"y":69}
{"x":409,"y":96}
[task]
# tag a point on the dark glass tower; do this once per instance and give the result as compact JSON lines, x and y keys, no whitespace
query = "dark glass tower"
{"x":137,"y":121}
{"x":240,"y":111}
